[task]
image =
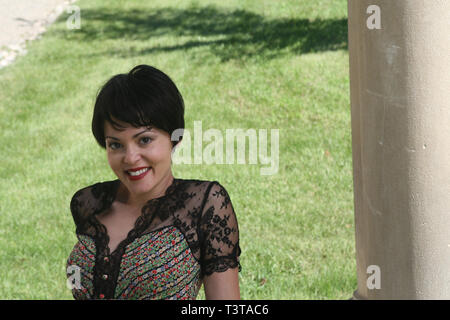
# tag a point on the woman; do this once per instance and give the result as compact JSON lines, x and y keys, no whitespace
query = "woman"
{"x":148,"y":235}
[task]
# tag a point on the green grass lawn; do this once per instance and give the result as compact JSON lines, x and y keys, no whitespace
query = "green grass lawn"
{"x":238,"y":64}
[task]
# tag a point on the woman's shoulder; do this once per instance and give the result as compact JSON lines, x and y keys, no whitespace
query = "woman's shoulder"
{"x":93,"y":198}
{"x":203,"y":194}
{"x":207,"y":187}
{"x":97,"y":187}
{"x":98,"y":190}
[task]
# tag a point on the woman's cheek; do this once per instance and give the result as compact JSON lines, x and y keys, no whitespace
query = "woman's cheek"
{"x":114,"y":163}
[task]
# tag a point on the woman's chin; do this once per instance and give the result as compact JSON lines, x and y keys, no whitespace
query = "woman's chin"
{"x":140,"y":186}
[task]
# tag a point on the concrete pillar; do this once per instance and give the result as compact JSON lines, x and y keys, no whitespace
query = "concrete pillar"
{"x":400,"y":109}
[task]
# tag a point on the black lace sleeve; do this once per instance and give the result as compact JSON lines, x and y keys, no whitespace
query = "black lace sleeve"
{"x":89,"y":201}
{"x":219,"y":233}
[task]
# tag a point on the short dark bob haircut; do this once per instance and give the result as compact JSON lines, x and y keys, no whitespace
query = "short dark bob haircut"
{"x":145,"y":97}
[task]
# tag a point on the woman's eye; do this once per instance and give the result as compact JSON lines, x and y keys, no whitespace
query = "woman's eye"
{"x":146,"y":140}
{"x":112,"y":144}
{"x":115,"y":145}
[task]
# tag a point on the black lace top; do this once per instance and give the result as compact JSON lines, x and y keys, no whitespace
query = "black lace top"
{"x":189,"y":232}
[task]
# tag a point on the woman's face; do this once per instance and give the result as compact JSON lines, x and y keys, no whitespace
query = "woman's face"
{"x":140,"y":148}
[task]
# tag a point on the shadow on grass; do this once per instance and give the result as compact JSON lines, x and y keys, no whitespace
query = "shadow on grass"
{"x":227,"y":34}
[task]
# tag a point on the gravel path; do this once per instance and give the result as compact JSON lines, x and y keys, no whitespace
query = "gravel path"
{"x":25,"y":20}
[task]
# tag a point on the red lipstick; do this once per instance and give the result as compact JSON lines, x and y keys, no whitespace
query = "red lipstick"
{"x":140,"y":176}
{"x":136,"y":169}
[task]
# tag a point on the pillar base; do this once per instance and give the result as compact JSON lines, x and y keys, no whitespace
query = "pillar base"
{"x":356,"y":296}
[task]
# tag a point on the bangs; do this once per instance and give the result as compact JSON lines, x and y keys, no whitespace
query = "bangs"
{"x":120,"y":101}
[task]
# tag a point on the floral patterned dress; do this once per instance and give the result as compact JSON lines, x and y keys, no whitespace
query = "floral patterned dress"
{"x":189,"y":232}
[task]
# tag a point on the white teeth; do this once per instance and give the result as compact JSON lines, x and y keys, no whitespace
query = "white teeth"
{"x":138,"y":172}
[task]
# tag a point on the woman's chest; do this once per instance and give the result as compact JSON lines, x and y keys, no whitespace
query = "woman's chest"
{"x":159,"y":264}
{"x":118,"y":222}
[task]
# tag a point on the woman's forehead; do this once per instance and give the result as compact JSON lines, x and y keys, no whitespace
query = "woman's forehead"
{"x":125,"y":128}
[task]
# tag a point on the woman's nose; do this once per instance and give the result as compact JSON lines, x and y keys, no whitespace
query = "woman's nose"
{"x":132,"y":156}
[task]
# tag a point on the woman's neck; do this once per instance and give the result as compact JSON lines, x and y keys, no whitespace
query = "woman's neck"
{"x":138,"y":201}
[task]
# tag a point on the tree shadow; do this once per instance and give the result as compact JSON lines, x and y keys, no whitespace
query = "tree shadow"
{"x":228,"y":34}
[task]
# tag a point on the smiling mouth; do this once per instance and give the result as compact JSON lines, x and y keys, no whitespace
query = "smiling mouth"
{"x":138,"y":173}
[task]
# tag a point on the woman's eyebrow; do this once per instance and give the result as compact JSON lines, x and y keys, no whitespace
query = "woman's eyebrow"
{"x":137,"y":134}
